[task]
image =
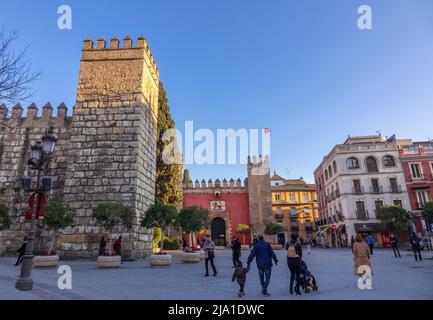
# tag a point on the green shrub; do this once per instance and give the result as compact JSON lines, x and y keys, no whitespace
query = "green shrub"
{"x":171,"y":243}
{"x":5,"y":220}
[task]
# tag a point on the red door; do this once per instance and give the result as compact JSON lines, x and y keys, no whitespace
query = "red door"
{"x":385,"y":239}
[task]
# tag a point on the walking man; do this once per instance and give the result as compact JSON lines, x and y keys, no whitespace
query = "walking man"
{"x":264,"y":255}
{"x":236,"y":251}
{"x":415,"y":243}
{"x":209,"y":255}
{"x":393,"y":240}
{"x":102,"y":245}
{"x":21,"y":251}
{"x":352,"y":242}
{"x":117,"y":246}
{"x":370,"y":242}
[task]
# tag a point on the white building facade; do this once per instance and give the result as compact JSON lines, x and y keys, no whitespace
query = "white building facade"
{"x":356,"y":179}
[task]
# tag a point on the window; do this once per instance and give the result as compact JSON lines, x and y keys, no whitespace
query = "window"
{"x":421,"y":198}
{"x":293,"y":213}
{"x":292,"y":198}
{"x":334,"y":165}
{"x":375,"y":188}
{"x":398,"y":203}
{"x":361,"y":214}
{"x":352,"y":163}
{"x":393,"y":185}
{"x":277,"y":197}
{"x":357,"y":187}
{"x":330,"y":171}
{"x":415,"y":170}
{"x":326,"y":175}
{"x":305,"y":197}
{"x":388,"y":161}
{"x":371,"y":165}
{"x":378,"y":204}
{"x":278,"y":213}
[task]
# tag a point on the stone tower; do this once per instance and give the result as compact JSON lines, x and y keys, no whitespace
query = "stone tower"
{"x":112,"y":154}
{"x":259,"y":191}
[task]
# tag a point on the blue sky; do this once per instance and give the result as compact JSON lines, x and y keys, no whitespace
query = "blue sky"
{"x":299,"y":67}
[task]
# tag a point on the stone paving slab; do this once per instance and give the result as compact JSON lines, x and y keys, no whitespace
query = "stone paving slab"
{"x":393,"y":279}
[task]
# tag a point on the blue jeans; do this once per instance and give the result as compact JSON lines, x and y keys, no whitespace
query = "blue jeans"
{"x":265,"y":277}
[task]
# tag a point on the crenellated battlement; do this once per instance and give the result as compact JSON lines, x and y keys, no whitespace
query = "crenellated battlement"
{"x":111,"y":73}
{"x":31,"y":119}
{"x":114,"y":44}
{"x":202,"y":185}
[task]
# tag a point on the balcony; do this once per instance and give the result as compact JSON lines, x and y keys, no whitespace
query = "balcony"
{"x":279,"y":215}
{"x":422,"y":178}
{"x":420,"y":205}
{"x":376,"y":189}
{"x":362,"y":215}
{"x":308,"y":226}
{"x":294,"y":226}
{"x":395,"y":189}
{"x":358,"y":190}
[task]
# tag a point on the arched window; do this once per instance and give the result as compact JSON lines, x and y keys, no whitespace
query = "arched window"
{"x":326,"y":175}
{"x":335,"y":166}
{"x":352,"y":163}
{"x":330,"y":171}
{"x":388,"y":161}
{"x":371,"y":164}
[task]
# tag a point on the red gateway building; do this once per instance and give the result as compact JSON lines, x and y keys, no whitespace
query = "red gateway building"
{"x":231,"y":203}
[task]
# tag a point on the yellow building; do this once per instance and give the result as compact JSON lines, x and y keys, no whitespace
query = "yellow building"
{"x":294,"y":206}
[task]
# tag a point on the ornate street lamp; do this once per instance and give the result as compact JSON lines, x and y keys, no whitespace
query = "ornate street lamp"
{"x":40,"y":152}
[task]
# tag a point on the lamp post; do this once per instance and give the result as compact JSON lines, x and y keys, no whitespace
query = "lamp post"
{"x":40,"y":153}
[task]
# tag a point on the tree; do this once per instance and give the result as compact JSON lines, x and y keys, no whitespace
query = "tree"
{"x":5,"y":220}
{"x":168,"y":186}
{"x":273,"y":229}
{"x":186,"y":178}
{"x":398,"y":218}
{"x":427,"y":213}
{"x":243,"y":229}
{"x":111,"y":215}
{"x":159,"y":216}
{"x":57,"y":216}
{"x":193,"y":219}
{"x":15,"y":71}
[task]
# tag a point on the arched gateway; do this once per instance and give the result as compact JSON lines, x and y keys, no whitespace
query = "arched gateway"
{"x":218,"y":231}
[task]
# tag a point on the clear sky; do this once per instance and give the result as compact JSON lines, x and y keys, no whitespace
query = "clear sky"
{"x":299,"y":67}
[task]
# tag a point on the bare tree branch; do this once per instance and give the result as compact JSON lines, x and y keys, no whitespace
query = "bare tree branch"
{"x":16,"y":73}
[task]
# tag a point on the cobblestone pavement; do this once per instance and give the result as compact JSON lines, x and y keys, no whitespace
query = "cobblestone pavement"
{"x":393,"y":279}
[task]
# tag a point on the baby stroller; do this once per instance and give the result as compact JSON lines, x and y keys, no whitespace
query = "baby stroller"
{"x":308,"y":281}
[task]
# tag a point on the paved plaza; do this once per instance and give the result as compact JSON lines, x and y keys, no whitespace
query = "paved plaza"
{"x":393,"y":279}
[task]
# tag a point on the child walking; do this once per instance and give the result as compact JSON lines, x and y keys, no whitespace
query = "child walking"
{"x":240,"y":275}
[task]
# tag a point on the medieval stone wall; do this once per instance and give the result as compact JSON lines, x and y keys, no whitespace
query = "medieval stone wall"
{"x":105,"y":152}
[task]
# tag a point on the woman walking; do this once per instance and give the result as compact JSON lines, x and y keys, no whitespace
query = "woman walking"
{"x":361,"y":256}
{"x":209,"y":255}
{"x":294,"y":254}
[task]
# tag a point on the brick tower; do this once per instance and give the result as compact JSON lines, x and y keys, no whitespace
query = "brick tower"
{"x":260,"y":195}
{"x":112,"y":152}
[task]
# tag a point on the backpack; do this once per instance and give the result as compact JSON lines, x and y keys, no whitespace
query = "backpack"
{"x":291,"y":251}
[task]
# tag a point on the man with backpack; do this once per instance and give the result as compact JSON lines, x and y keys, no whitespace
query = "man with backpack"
{"x":264,"y":255}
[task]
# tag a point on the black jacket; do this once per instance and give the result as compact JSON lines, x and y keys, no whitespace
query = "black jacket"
{"x":236,"y":247}
{"x":22,"y":249}
{"x":415,"y":242}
